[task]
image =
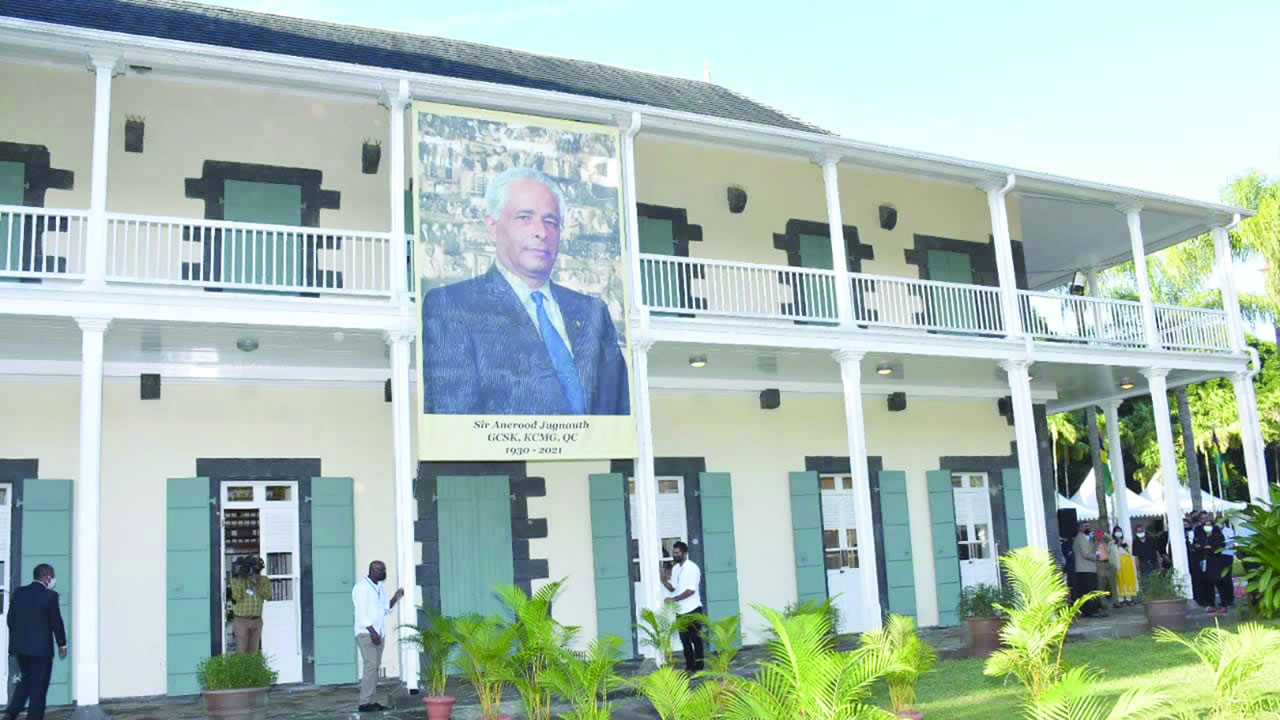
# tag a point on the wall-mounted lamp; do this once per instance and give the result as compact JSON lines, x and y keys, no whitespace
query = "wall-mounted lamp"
{"x":888,"y":217}
{"x":135,"y":127}
{"x":884,"y":368}
{"x":1126,"y":383}
{"x":1077,"y":283}
{"x":247,"y":344}
{"x":698,"y":361}
{"x":370,"y":156}
{"x":737,"y":199}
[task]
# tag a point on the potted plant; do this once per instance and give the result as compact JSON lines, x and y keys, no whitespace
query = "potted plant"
{"x":981,"y":606}
{"x":538,"y":642}
{"x":484,"y":651}
{"x":235,"y":686}
{"x":1165,"y":605}
{"x":907,"y":656}
{"x":585,"y":679}
{"x":435,"y":640}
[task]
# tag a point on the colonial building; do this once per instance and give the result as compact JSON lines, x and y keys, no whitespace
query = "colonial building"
{"x":842,"y":354}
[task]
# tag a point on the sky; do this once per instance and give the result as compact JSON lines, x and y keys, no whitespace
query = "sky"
{"x":1173,"y":96}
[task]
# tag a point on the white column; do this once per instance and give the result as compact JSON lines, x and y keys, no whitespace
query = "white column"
{"x":1227,"y":282}
{"x":396,"y":103}
{"x":851,"y":377}
{"x":1133,"y":215}
{"x":402,"y":465}
{"x":632,"y":218}
{"x":1006,"y":270}
{"x":1159,"y":388}
{"x":1024,"y":431}
{"x":839,"y":252}
{"x":1091,"y":276}
{"x":96,"y":241}
{"x":1251,"y":436}
{"x":85,"y":569}
{"x":644,"y":516}
{"x":1115,"y":457}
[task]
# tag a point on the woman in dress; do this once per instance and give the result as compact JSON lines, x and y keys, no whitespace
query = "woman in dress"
{"x":1126,"y":571}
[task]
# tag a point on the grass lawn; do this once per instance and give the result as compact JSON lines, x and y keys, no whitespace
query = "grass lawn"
{"x":957,"y":689}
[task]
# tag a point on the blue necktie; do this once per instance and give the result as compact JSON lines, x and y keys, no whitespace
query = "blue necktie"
{"x":560,"y":358}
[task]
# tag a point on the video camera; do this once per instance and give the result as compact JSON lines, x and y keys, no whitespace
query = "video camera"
{"x":246,"y":566}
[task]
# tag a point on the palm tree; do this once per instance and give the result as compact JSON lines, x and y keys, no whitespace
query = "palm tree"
{"x":1065,"y":435}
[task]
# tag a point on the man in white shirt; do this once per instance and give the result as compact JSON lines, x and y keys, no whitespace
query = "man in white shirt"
{"x":683,"y":582}
{"x":369,"y":598}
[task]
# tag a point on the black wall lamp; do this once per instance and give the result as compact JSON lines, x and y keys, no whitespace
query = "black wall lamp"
{"x":888,"y":217}
{"x":737,"y":199}
{"x":370,"y":156}
{"x":135,"y":127}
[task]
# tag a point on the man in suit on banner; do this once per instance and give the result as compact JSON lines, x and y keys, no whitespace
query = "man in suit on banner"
{"x":34,"y":623}
{"x":510,"y":341}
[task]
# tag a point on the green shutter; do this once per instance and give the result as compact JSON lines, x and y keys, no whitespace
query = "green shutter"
{"x":895,"y":521}
{"x":46,"y":538}
{"x":188,"y":526}
{"x":333,"y":564}
{"x":12,"y":190}
{"x":719,"y":549}
{"x":946,"y":562}
{"x":661,"y":281}
{"x":262,"y":258}
{"x":815,"y":252}
{"x":806,"y":529}
{"x":1015,"y":518}
{"x":475,"y":542}
{"x":611,"y":556}
{"x":953,"y":267}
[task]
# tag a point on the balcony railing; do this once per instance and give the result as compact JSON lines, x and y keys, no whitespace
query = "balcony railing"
{"x":247,"y":256}
{"x":41,"y":243}
{"x":735,"y":289}
{"x":1184,"y":328}
{"x":1075,"y":318}
{"x":926,"y":305}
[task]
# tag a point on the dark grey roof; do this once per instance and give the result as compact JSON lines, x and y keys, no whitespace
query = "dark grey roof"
{"x":209,"y":25}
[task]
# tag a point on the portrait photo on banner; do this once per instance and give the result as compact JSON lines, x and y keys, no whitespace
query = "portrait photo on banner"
{"x":521,"y":280}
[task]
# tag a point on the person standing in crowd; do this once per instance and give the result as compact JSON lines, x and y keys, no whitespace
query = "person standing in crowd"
{"x":369,"y":597}
{"x":35,"y":622}
{"x":1126,"y":573}
{"x":250,"y":590}
{"x":1103,"y":553}
{"x":1087,"y":570}
{"x":1195,"y":561}
{"x":684,"y":581}
{"x":1209,"y":542}
{"x":1069,"y":564}
{"x":1146,"y":550}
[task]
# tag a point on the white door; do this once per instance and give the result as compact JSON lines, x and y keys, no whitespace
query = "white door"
{"x":975,"y":538}
{"x":673,"y":526}
{"x":840,"y":549}
{"x":6,"y":568}
{"x":261,"y":519}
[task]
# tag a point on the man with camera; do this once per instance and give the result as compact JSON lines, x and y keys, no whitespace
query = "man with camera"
{"x":250,"y":589}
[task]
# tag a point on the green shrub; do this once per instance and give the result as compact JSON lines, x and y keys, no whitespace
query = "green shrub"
{"x":237,"y":671}
{"x":1163,"y":585}
{"x":1261,"y":555}
{"x":434,"y":640}
{"x":909,"y":657}
{"x":985,"y":601}
{"x":827,"y":609}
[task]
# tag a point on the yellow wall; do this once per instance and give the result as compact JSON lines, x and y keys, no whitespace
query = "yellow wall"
{"x":44,"y":106}
{"x":695,"y":177}
{"x":144,"y":443}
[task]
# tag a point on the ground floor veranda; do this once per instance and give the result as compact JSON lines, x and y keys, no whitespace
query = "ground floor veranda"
{"x":304,"y":475}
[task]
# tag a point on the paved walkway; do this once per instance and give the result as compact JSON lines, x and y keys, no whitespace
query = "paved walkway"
{"x":299,"y":702}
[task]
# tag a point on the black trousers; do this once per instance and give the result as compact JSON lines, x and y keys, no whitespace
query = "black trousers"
{"x":1201,"y":583}
{"x":1087,"y":582}
{"x":32,"y":688}
{"x":691,"y":641}
{"x":1221,"y":581}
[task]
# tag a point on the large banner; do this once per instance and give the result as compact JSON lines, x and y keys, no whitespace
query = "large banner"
{"x":521,"y":286}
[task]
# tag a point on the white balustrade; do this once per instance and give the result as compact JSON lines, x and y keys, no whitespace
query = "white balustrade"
{"x":736,"y":289}
{"x":216,"y":253}
{"x":42,"y":243}
{"x":1185,"y":328}
{"x":1079,"y":318}
{"x":926,"y":304}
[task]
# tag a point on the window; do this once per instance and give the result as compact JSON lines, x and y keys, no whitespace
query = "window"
{"x":240,"y":493}
{"x":279,"y":492}
{"x":668,"y":487}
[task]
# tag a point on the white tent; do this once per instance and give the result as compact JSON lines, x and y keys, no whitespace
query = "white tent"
{"x":1082,"y":512}
{"x":1139,"y":506}
{"x":1154,"y":493}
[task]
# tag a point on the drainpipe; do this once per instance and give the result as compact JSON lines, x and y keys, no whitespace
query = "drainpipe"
{"x":1004,"y":254}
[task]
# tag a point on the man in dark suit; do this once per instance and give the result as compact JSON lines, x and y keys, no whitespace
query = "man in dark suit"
{"x":34,"y":623}
{"x":511,"y":342}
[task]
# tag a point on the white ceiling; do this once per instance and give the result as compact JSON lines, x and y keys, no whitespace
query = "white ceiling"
{"x":1061,"y":236}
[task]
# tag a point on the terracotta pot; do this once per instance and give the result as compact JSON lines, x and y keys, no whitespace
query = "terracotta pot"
{"x":984,"y":635}
{"x":1171,"y":614}
{"x":250,"y":704}
{"x":439,"y":707}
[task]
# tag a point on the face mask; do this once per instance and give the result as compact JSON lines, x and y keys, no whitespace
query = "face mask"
{"x":1117,"y":535}
{"x":1142,"y":534}
{"x":52,"y":582}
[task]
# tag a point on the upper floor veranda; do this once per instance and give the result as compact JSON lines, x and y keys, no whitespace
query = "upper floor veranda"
{"x":172,"y":171}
